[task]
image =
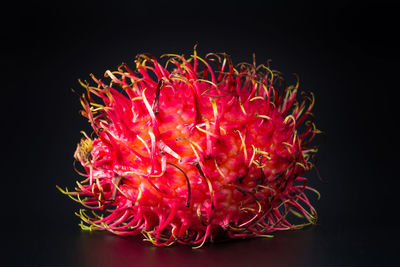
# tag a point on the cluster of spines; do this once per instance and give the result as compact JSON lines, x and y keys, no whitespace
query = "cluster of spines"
{"x":267,"y":86}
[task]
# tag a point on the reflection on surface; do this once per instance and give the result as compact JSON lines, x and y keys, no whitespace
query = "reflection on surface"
{"x":293,"y":248}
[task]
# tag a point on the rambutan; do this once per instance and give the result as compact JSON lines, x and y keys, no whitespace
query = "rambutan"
{"x":195,"y":150}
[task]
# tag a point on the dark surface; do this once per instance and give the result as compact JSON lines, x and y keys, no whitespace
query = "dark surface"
{"x":346,"y":54}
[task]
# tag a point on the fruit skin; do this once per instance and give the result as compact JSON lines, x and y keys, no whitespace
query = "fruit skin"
{"x":188,"y":153}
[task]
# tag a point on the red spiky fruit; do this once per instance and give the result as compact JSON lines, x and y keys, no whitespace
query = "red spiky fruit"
{"x":185,"y":153}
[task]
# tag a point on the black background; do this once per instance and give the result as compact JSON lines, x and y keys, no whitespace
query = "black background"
{"x":346,"y":53}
